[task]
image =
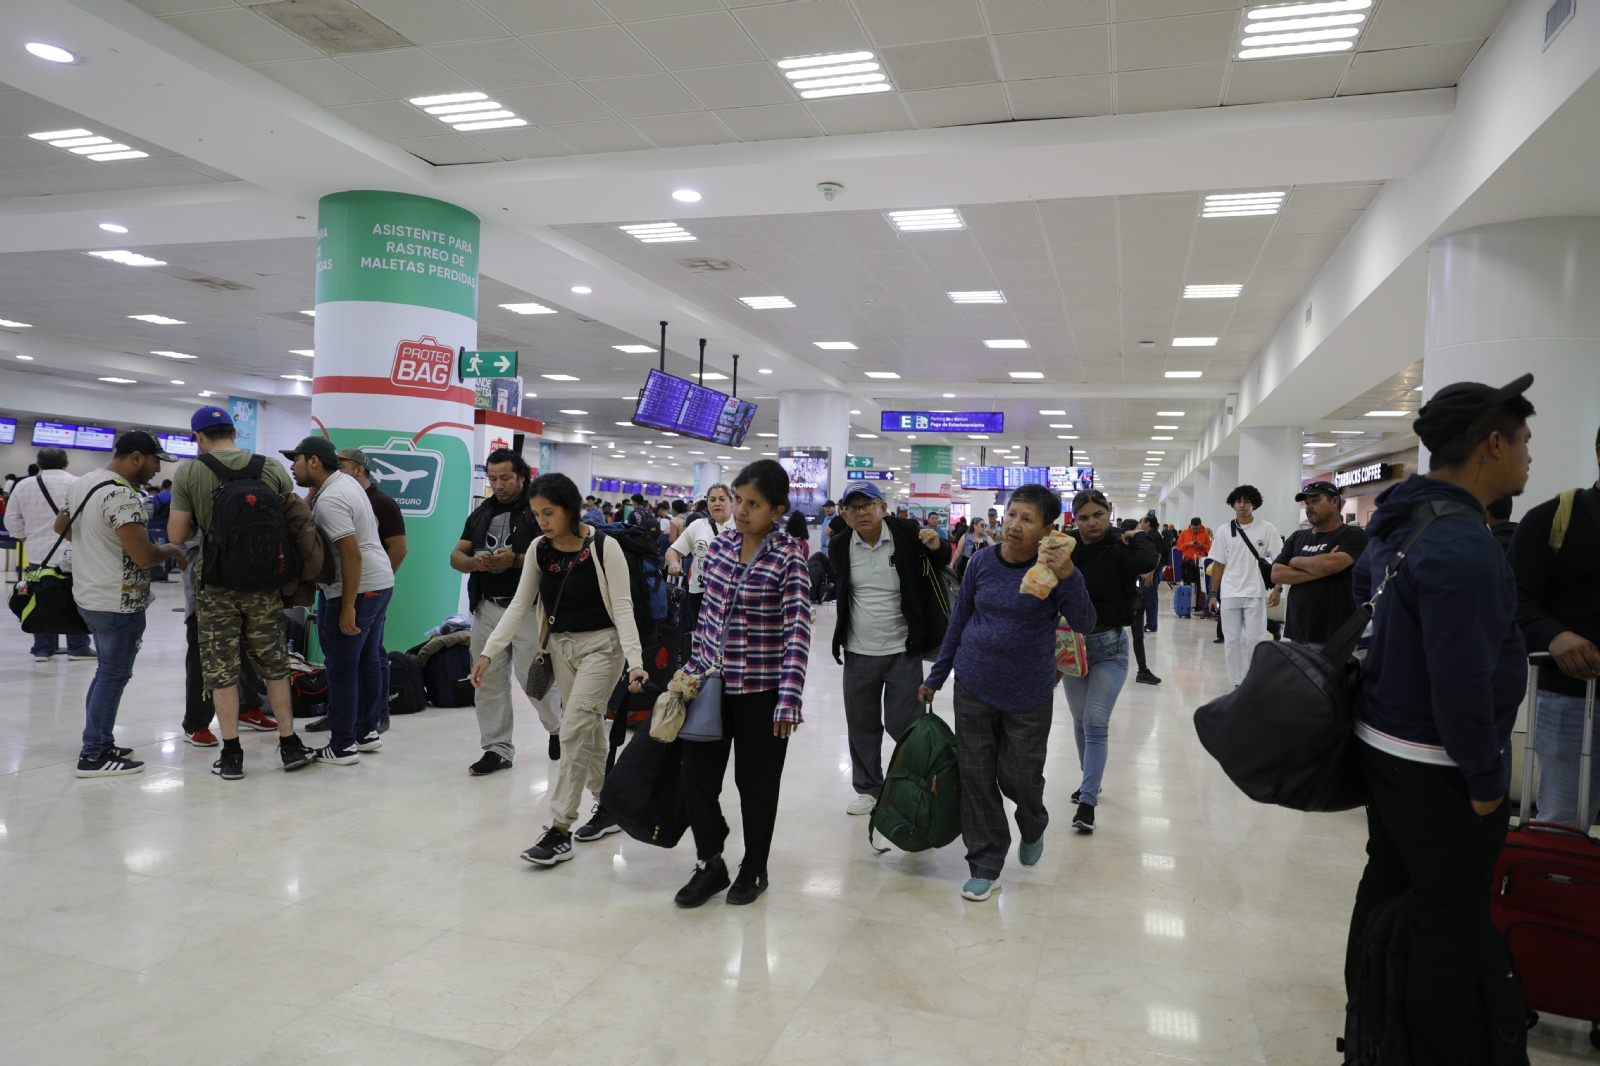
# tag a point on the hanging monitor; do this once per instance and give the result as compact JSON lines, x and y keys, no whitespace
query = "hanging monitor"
{"x":679,"y":406}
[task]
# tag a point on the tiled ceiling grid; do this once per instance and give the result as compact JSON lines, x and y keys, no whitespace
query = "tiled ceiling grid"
{"x":1085,"y":282}
{"x":33,"y":168}
{"x":617,"y":75}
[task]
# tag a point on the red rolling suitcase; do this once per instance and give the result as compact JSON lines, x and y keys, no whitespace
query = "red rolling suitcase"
{"x":1547,"y":893}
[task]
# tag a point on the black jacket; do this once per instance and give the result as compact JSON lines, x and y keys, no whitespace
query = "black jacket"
{"x":524,"y":529}
{"x":925,"y":622}
{"x":1558,"y":591}
{"x":1111,"y":570}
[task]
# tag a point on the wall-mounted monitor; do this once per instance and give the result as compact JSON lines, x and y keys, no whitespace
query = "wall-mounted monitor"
{"x":54,"y":435}
{"x":679,"y":406}
{"x":184,"y":447}
{"x":1071,"y":478}
{"x":95,"y":438}
{"x":1003,"y":477}
{"x":8,"y":431}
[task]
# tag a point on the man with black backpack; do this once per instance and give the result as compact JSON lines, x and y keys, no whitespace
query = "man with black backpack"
{"x":231,"y":498}
{"x":30,"y":517}
{"x":1440,"y":689}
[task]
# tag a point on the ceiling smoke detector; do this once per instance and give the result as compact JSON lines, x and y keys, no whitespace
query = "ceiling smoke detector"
{"x":829,"y":189}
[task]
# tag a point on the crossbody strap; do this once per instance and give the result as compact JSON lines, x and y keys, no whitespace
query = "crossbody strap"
{"x":1239,"y":532}
{"x":550,"y":619}
{"x":727,"y":610}
{"x":46,"y":492}
{"x":51,"y":554}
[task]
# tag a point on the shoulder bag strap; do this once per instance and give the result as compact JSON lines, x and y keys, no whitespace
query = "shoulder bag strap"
{"x":550,"y":619}
{"x":46,"y":492}
{"x":51,"y":554}
{"x":727,"y":610}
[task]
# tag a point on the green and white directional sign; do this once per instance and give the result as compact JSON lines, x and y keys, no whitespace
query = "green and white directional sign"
{"x":488,"y":364}
{"x":858,"y":462}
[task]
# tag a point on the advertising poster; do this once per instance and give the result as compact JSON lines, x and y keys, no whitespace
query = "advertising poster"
{"x":808,"y":478}
{"x":243,"y":410}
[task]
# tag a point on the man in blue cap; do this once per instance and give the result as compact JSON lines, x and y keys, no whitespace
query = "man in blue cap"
{"x":887,"y":619}
{"x":233,"y":624}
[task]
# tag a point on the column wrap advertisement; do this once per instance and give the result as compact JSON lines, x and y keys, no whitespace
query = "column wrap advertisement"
{"x":397,"y":295}
{"x":932,"y":471}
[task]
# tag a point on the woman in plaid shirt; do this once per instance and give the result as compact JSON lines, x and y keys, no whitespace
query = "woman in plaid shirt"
{"x":768,"y":640}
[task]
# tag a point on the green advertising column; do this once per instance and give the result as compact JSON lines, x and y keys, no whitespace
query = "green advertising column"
{"x":397,"y":295}
{"x":931,"y":475}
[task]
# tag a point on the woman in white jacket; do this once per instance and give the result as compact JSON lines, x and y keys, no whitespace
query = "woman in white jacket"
{"x":577,"y":580}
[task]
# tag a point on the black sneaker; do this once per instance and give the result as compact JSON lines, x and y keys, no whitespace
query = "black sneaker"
{"x":1076,"y":793}
{"x":1216,"y":640}
{"x":1083,"y":821}
{"x":329,"y":753}
{"x":710,"y":877}
{"x":1145,"y":677}
{"x":597,"y":826}
{"x":491,"y":761}
{"x":121,"y":753}
{"x":321,"y":725}
{"x":369,"y":742}
{"x":555,"y":748}
{"x":294,"y":752}
{"x":108,"y":765}
{"x":555,"y":846}
{"x":746,"y":888}
{"x":230,"y":764}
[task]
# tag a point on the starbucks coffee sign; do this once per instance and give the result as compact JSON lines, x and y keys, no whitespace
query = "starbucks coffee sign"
{"x":1362,"y":475}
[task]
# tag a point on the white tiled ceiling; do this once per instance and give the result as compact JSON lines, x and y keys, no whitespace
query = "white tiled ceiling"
{"x":614,"y":75}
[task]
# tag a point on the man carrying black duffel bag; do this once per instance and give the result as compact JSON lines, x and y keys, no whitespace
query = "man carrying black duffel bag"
{"x":1440,"y":690}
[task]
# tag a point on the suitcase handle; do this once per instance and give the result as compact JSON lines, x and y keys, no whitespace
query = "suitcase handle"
{"x":1537,"y":660}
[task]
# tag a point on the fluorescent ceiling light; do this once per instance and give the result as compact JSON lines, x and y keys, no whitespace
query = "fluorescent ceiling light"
{"x":522,"y":309}
{"x":7,"y":323}
{"x":96,"y":149}
{"x":50,"y":52}
{"x":929,"y":219}
{"x":686,"y":196}
{"x":710,"y":375}
{"x":764,"y":370}
{"x":1051,"y":411}
{"x":1321,"y":444}
{"x":766,"y":434}
{"x":1152,"y":451}
{"x":112,"y":227}
{"x":112,"y":157}
{"x":468,"y":111}
{"x":766,"y":303}
{"x":311,"y":313}
{"x":1194,"y":342}
{"x":977,"y":436}
{"x":1061,"y":425}
{"x":1228,"y":205}
{"x":1026,"y":375}
{"x":1348,"y":432}
{"x":1006,"y":344}
{"x":127,"y":258}
{"x":1184,"y":373}
{"x":584,"y":432}
{"x":463,"y":109}
{"x":159,"y":320}
{"x":75,"y":142}
{"x":983,"y":296}
{"x":175,"y":381}
{"x":948,"y":395}
{"x":582,"y":290}
{"x":1388,"y":414}
{"x":658,"y":232}
{"x":866,"y":436}
{"x":448,"y":98}
{"x":1066,"y":436}
{"x":1169,"y":414}
{"x":882,"y":375}
{"x":1301,"y":29}
{"x":1160,"y":438}
{"x":58,"y":135}
{"x":294,"y":377}
{"x":495,"y":124}
{"x":1163,"y":427}
{"x":1211,"y":292}
{"x":309,"y":353}
{"x":173,"y":355}
{"x":558,"y":377}
{"x":835,"y":346}
{"x":855,"y":412}
{"x":120,"y":381}
{"x":635,"y":349}
{"x":835,"y":74}
{"x":624,"y":423}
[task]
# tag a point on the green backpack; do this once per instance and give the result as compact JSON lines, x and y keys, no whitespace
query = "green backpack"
{"x":920,"y":807}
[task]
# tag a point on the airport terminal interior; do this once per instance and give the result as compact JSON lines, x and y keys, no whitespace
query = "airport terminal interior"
{"x":928,"y":251}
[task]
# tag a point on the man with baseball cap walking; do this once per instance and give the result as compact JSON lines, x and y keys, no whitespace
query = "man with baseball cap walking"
{"x":233,"y":624}
{"x":1315,"y":563}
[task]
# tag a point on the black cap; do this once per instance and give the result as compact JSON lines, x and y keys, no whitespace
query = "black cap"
{"x":1319,"y":488}
{"x":137,"y":440}
{"x":1455,"y":407}
{"x":321,"y":447}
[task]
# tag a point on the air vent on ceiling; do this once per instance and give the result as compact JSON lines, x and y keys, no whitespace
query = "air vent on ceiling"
{"x":338,"y":27}
{"x":1556,"y":17}
{"x":701,"y":266}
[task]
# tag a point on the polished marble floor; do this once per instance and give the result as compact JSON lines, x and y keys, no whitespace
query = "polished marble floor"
{"x":379,"y":913}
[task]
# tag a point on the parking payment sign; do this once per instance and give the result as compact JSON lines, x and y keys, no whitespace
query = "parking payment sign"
{"x":423,"y":364}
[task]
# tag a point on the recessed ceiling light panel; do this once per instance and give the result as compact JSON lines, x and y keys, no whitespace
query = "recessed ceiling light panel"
{"x":8,"y":324}
{"x":835,"y":74}
{"x":635,"y":349}
{"x":466,"y":112}
{"x":933,"y":218}
{"x":112,"y":227}
{"x":172,"y":355}
{"x":159,"y":320}
{"x":529,"y":309}
{"x":835,"y":346}
{"x":1211,"y":292}
{"x":1388,"y":414}
{"x":1194,"y":342}
{"x":119,"y":381}
{"x":1026,"y":375}
{"x":558,"y":377}
{"x":1233,"y":204}
{"x":1016,"y":343}
{"x":1169,"y":414}
{"x":1301,"y":29}
{"x":982,"y":296}
{"x":882,"y":375}
{"x":50,"y":52}
{"x":309,"y":353}
{"x":658,"y":233}
{"x":127,"y":258}
{"x":1184,"y":373}
{"x":766,"y":303}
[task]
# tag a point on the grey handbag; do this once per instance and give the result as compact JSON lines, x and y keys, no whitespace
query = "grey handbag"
{"x":541,"y":675}
{"x":702,"y":719}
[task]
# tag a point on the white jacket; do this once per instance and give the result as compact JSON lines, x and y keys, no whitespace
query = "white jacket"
{"x":617,"y":594}
{"x":30,"y":519}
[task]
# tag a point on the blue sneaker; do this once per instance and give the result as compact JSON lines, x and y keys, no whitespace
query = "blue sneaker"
{"x":1031,"y":853}
{"x":977,"y":889}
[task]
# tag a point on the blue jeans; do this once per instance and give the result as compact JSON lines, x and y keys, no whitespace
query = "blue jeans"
{"x":380,"y":705}
{"x":118,"y":636}
{"x":1091,"y":699}
{"x":355,"y":673}
{"x":50,"y":644}
{"x":1558,"y":738}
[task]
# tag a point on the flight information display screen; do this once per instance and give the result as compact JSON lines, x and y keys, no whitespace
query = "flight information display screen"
{"x":54,"y":434}
{"x":1003,"y":477}
{"x":182,"y":447}
{"x":1071,"y":478}
{"x":683,"y":407}
{"x":8,"y":430}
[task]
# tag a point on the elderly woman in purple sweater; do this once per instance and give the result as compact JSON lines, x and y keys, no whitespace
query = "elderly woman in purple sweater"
{"x":1002,"y":644}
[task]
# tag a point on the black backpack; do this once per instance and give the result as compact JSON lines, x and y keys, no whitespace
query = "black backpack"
{"x":444,"y":677}
{"x":647,"y":578}
{"x":642,"y":790}
{"x":407,"y":693}
{"x":1375,"y":1032}
{"x":248,"y":547}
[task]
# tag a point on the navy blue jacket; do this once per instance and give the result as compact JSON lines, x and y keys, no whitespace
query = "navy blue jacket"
{"x":1448,"y":667}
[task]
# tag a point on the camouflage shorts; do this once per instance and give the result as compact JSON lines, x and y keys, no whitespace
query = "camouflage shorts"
{"x":232,"y":624}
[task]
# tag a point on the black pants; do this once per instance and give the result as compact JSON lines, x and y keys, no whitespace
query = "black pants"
{"x":1423,"y":835}
{"x":691,"y":612}
{"x":1137,"y":630}
{"x":999,"y":754}
{"x":198,"y":708}
{"x":757,"y":771}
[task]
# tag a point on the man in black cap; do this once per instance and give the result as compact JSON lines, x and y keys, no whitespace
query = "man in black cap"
{"x":1440,"y":690}
{"x":1317,"y":562}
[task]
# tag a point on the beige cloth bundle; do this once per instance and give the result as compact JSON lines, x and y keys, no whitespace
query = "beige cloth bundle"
{"x":1040,"y":580}
{"x":667,"y":717}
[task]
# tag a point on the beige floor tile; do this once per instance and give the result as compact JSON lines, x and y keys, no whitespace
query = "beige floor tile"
{"x":764,"y":943}
{"x":829,"y":1029}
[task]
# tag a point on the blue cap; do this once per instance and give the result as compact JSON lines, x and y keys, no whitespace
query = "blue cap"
{"x":207,"y":417}
{"x":869,"y":489}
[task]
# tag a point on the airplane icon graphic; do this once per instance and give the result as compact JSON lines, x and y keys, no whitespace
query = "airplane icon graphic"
{"x":395,"y":473}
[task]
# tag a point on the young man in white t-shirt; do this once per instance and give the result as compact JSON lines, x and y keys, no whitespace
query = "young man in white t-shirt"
{"x":692,"y":544}
{"x":1240,"y":588}
{"x":111,"y":557}
{"x":350,"y":608}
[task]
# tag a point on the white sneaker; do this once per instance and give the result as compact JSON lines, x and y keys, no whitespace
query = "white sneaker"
{"x":862,"y":804}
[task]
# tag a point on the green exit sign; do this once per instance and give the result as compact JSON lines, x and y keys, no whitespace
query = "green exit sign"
{"x":859,"y":462}
{"x":488,"y":364}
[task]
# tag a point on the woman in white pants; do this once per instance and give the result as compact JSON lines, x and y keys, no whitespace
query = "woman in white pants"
{"x":1240,"y":586}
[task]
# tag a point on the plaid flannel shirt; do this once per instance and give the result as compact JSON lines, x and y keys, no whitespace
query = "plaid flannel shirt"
{"x":769,"y":625}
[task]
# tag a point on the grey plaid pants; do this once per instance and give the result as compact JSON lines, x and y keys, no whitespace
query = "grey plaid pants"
{"x":999,"y":754}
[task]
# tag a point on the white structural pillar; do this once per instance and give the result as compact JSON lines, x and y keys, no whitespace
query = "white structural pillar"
{"x":1269,"y":459}
{"x":577,"y":462}
{"x":1183,"y":510}
{"x":1202,"y":493}
{"x":816,"y":418}
{"x":1516,"y":297}
{"x":705,"y":475}
{"x":1224,"y":477}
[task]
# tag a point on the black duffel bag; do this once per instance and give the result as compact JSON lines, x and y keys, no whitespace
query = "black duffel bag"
{"x":42,"y":600}
{"x":1286,"y":735}
{"x":643,"y":789}
{"x":407,"y":692}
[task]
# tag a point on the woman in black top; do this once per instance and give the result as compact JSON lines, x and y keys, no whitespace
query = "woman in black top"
{"x":1111,"y":563}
